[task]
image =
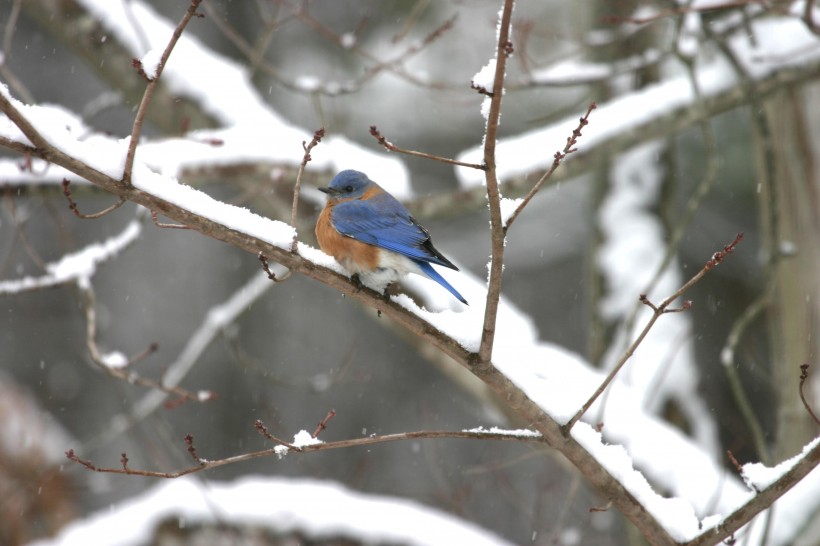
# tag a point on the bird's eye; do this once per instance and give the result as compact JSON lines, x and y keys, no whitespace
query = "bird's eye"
{"x":349,"y":189}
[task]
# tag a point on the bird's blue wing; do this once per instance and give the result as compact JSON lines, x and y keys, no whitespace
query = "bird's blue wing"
{"x":384,"y":222}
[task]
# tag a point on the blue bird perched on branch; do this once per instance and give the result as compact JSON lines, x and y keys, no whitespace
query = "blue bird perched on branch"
{"x":373,"y":236}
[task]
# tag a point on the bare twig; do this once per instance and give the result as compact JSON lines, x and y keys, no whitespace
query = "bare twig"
{"x":739,"y":469}
{"x":149,"y":91}
{"x":214,"y":322}
{"x":604,"y":508}
{"x":734,"y":461}
{"x":73,"y":205}
{"x":205,"y":464}
{"x":659,"y":310}
{"x":804,"y":374}
{"x":322,"y":425}
{"x":266,"y":268}
{"x":317,"y":138}
{"x":558,"y":157}
{"x":389,"y":146}
{"x":263,"y":430}
{"x":189,"y":443}
{"x":121,"y":370}
{"x":702,"y":189}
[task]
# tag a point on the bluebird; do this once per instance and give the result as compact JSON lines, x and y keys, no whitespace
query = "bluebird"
{"x":373,"y":236}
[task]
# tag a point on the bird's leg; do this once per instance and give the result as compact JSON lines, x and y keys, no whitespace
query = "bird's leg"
{"x":357,"y":282}
{"x":386,"y":292}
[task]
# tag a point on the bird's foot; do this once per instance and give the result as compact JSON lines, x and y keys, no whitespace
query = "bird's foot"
{"x":357,"y":282}
{"x":387,"y":292}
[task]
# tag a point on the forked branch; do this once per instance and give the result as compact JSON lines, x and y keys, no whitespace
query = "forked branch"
{"x":658,"y":310}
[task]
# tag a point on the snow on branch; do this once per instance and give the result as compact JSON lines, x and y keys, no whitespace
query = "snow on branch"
{"x":303,"y":443}
{"x":76,"y":267}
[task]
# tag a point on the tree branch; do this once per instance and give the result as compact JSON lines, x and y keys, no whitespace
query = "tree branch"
{"x":206,"y":464}
{"x":760,"y":501}
{"x":556,"y":162}
{"x":390,"y":147}
{"x":504,"y":49}
{"x":659,"y":310}
{"x":149,"y":90}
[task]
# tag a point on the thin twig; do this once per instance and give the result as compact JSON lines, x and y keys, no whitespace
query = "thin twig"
{"x":73,"y":205}
{"x":149,"y":90}
{"x":700,"y":192}
{"x":88,"y":300}
{"x":205,"y":464}
{"x":389,"y":146}
{"x":307,"y":147}
{"x":659,"y":310}
{"x":322,"y":425}
{"x":739,"y":469}
{"x":557,"y":159}
{"x":165,"y":225}
{"x":213,"y":324}
{"x":263,"y":430}
{"x":189,"y":444}
{"x":271,"y":275}
{"x":804,"y":374}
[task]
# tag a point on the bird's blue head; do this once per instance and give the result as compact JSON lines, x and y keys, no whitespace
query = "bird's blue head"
{"x":348,"y":184}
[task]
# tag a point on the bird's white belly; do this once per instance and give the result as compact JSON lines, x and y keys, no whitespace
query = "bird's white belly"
{"x":392,"y":266}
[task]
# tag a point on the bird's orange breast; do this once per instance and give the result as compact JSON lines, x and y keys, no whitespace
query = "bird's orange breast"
{"x":354,"y":255}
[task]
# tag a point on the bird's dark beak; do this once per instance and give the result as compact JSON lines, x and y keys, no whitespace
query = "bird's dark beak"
{"x":324,"y":190}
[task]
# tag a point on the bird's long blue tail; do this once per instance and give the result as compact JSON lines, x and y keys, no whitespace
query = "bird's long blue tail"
{"x":433,"y":274}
